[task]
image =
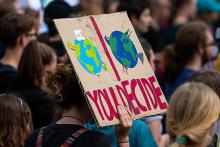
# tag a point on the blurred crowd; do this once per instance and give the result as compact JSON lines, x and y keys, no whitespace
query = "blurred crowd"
{"x":42,"y":104}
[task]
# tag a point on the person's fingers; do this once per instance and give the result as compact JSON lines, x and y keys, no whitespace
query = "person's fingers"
{"x":125,"y":117}
{"x":129,"y":112}
{"x":130,"y":116}
{"x":120,"y":113}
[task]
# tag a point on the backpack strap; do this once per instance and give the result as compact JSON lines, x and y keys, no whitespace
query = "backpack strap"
{"x":40,"y":137}
{"x":74,"y":137}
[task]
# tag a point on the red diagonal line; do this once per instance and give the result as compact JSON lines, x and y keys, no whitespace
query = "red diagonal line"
{"x":105,"y":48}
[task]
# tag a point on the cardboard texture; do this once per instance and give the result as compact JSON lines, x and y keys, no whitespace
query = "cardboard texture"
{"x":111,"y":66}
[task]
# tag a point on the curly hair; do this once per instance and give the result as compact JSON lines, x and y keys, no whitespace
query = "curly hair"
{"x":15,"y":121}
{"x":65,"y":87}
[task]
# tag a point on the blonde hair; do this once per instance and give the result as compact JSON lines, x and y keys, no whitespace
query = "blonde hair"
{"x":193,"y":110}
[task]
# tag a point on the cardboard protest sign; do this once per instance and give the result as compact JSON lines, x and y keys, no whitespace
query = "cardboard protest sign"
{"x":111,"y":66}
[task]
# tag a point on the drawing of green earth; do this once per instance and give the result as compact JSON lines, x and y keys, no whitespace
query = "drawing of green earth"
{"x":87,"y":55}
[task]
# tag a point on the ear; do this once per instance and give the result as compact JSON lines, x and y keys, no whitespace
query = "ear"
{"x":200,"y":49}
{"x":21,"y":40}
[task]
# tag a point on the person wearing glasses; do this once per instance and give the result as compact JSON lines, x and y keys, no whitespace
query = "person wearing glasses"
{"x":16,"y":30}
{"x":192,"y":48}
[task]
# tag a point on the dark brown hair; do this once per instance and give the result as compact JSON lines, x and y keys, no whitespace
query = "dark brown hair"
{"x":12,"y":26}
{"x":133,"y":7}
{"x":15,"y":121}
{"x":5,"y":9}
{"x":65,"y":87}
{"x":31,"y":67}
{"x":210,"y":78}
{"x":188,"y":40}
{"x":176,"y":6}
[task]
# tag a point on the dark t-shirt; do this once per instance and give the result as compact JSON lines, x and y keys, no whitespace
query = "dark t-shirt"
{"x":56,"y":134}
{"x":7,"y":77}
{"x":181,"y":79}
{"x":40,"y":102}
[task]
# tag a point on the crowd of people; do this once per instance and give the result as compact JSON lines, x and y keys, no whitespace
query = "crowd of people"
{"x":43,"y":105}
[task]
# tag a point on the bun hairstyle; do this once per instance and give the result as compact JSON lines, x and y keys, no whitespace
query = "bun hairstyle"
{"x":193,"y":110}
{"x":65,"y":87}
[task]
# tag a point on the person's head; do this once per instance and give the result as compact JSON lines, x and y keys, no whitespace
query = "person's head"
{"x":36,"y":60}
{"x":65,"y":87}
{"x":210,"y":78}
{"x":164,"y":6}
{"x":208,"y":10}
{"x":188,"y":7}
{"x":149,"y":53}
{"x":55,"y":10}
{"x":92,"y":7}
{"x":16,"y":30}
{"x":194,"y":40}
{"x":11,"y":3}
{"x":15,"y":121}
{"x":192,"y":115}
{"x":5,"y":9}
{"x":139,"y":13}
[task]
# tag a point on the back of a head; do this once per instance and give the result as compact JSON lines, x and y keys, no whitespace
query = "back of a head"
{"x":31,"y":68}
{"x":5,"y":9}
{"x":210,"y":78}
{"x":15,"y":121}
{"x":12,"y":26}
{"x":177,"y":6}
{"x":134,"y":7}
{"x":65,"y":87}
{"x":56,"y":9}
{"x":188,"y":40}
{"x":192,"y":113}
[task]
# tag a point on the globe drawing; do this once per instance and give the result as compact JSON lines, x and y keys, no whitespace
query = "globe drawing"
{"x":88,"y":56}
{"x":123,"y":48}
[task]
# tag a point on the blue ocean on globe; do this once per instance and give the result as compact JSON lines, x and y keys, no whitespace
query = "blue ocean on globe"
{"x":123,"y":48}
{"x":88,"y":56}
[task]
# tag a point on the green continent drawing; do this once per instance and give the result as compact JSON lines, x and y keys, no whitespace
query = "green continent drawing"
{"x":123,"y":48}
{"x":87,"y":55}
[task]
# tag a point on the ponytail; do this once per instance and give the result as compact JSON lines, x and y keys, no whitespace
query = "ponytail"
{"x":173,"y":65}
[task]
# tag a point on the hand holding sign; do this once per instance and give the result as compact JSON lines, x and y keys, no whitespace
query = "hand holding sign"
{"x":122,"y":130}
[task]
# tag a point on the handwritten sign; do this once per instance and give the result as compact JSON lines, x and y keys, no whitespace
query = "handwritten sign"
{"x":105,"y":53}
